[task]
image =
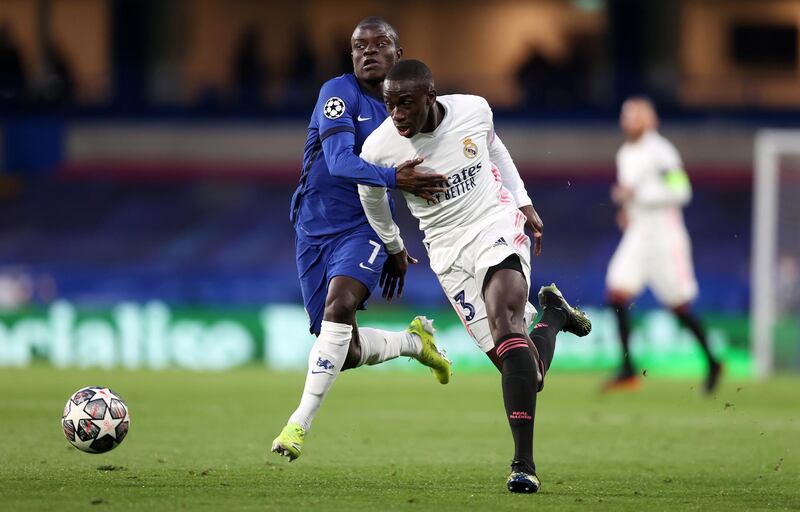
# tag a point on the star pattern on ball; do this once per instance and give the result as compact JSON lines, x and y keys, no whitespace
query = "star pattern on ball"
{"x":334,"y":108}
{"x":76,"y":413}
{"x":108,"y":425}
{"x":99,"y":423}
{"x":106,"y":394}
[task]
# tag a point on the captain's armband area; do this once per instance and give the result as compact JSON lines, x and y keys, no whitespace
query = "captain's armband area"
{"x":677,"y":179}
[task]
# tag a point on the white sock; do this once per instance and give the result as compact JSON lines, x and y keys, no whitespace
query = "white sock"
{"x":324,"y":364}
{"x":378,"y":346}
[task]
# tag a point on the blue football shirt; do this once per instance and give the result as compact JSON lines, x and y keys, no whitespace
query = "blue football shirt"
{"x":326,"y":201}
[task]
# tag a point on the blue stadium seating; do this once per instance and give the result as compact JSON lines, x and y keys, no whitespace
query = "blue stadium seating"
{"x":229,"y":242}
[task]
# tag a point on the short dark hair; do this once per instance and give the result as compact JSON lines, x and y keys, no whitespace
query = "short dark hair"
{"x":377,"y":21}
{"x":413,"y":70}
{"x":642,"y":98}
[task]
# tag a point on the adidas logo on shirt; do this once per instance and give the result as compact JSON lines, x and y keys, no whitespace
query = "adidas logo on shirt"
{"x":501,"y":241}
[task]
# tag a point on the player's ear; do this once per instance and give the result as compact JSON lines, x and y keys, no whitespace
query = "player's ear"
{"x":431,"y":97}
{"x":399,"y":52}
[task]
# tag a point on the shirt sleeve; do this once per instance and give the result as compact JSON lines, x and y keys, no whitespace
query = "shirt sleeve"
{"x":339,"y":151}
{"x":379,"y":214}
{"x":337,"y":104}
{"x":501,"y":158}
{"x":624,"y":176}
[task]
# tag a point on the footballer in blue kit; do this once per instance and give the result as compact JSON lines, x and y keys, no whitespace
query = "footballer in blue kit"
{"x":333,"y":235}
{"x":340,"y":259}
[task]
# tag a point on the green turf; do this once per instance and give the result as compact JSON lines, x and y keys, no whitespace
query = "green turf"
{"x":199,"y":441}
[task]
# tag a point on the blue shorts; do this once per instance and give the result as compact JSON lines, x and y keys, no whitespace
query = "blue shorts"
{"x":358,"y":254}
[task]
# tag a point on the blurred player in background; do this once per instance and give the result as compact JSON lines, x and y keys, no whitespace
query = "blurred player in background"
{"x":651,"y":190}
{"x":475,"y":236}
{"x":340,"y":259}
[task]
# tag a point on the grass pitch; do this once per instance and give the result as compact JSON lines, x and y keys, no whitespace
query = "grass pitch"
{"x":200,"y":441}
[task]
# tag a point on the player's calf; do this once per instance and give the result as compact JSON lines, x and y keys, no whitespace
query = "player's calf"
{"x":354,"y":352}
{"x":574,"y":320}
{"x":377,"y":346}
{"x":324,"y":364}
{"x":557,"y":315}
{"x":519,"y":382}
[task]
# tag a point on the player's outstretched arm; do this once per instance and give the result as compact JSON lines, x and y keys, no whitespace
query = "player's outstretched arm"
{"x":339,"y":151}
{"x":344,"y":163}
{"x":424,"y":185}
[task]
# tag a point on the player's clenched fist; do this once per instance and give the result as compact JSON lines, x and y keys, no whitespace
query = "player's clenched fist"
{"x":421,"y":184}
{"x":394,"y":274}
{"x":621,"y":195}
{"x":535,"y":224}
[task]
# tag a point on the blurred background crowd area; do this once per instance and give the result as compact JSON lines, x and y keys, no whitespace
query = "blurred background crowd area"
{"x":538,"y":57}
{"x":148,"y":149}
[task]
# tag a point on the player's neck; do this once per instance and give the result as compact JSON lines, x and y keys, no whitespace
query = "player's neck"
{"x":374,"y":89}
{"x":434,"y":118}
{"x":636,"y":137}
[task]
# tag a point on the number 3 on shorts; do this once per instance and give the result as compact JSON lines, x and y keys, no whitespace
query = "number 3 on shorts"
{"x":468,"y":309}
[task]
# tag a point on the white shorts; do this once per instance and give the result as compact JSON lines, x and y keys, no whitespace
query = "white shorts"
{"x":659,"y":258}
{"x":462,"y":282}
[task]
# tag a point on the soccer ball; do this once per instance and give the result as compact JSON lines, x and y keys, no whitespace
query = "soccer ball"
{"x":95,"y":419}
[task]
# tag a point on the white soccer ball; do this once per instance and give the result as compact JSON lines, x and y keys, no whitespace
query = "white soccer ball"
{"x":95,"y":420}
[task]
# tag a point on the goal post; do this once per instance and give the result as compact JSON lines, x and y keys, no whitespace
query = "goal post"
{"x":771,"y":146}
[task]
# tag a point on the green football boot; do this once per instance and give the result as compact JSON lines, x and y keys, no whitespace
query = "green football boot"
{"x":430,"y":356}
{"x":289,"y":442}
{"x":577,"y":322}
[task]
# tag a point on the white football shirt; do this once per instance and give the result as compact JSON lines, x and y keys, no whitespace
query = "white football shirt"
{"x":645,"y":166}
{"x":482,"y":182}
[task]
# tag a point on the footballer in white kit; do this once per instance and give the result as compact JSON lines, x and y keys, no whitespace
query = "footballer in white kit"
{"x":475,"y":237}
{"x":476,"y":223}
{"x":655,"y":251}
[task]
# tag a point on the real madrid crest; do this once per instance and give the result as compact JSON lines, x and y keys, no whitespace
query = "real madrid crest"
{"x":470,"y":149}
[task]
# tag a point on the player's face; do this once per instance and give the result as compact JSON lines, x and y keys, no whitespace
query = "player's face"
{"x":409,"y":105}
{"x":636,"y":118}
{"x":374,"y":53}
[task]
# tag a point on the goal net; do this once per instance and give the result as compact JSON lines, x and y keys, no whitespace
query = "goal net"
{"x":775,"y":295}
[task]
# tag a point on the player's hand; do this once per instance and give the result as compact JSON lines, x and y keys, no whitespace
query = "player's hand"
{"x":622,"y":219}
{"x":621,"y":195}
{"x":394,"y":274}
{"x":422,"y":184}
{"x":535,"y":224}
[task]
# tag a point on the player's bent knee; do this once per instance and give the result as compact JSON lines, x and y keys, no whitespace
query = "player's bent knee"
{"x":344,"y":296}
{"x":618,"y":298}
{"x":505,"y":305}
{"x":506,"y":318}
{"x":681,"y":309}
{"x":340,"y":309}
{"x":504,"y":323}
